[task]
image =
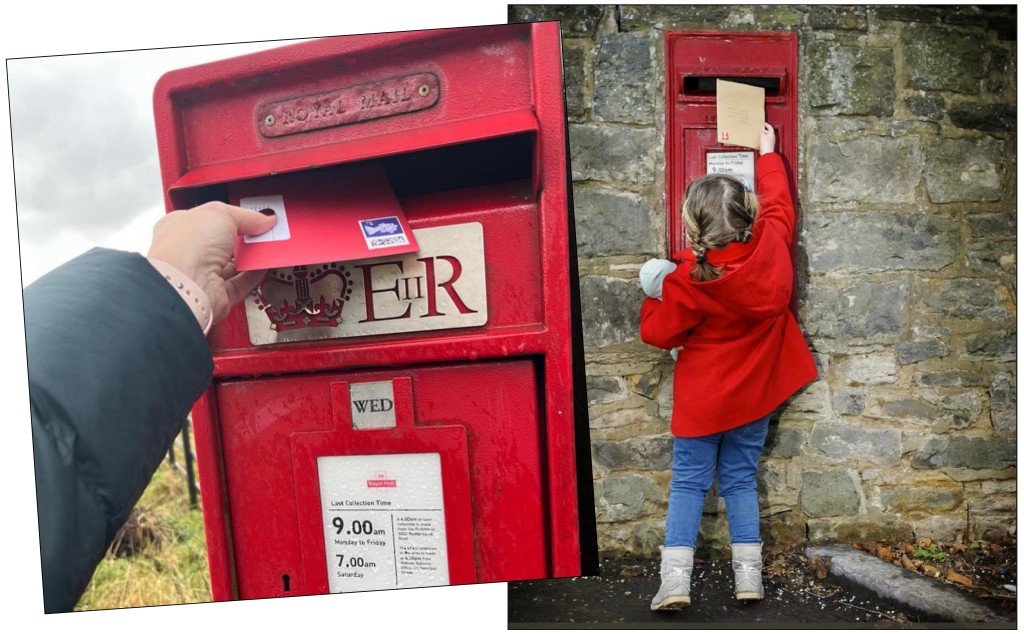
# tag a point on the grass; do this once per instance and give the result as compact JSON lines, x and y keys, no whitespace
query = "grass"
{"x":159,"y":558}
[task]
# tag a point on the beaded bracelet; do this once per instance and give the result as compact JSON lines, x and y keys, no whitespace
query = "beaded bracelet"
{"x":194,"y":296}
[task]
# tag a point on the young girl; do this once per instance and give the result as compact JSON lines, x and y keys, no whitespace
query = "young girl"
{"x":726,"y":307}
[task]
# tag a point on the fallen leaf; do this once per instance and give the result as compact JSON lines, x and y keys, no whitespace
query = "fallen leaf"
{"x":909,"y":565}
{"x":930,"y":570}
{"x":820,"y":567}
{"x":956,"y":577}
{"x":996,"y":548}
{"x":924,"y":542}
{"x":885,"y":553}
{"x":910,"y":548}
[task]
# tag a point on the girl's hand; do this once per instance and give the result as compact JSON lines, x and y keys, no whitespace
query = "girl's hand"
{"x":767,"y":139}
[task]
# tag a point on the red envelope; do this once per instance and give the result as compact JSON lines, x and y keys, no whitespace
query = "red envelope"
{"x":325,"y":215}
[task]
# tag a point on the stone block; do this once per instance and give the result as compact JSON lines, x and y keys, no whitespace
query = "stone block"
{"x":949,"y":378}
{"x":886,"y":528}
{"x":994,"y":527}
{"x":985,"y":117}
{"x":647,"y":385}
{"x":1000,"y":225}
{"x":939,"y":58}
{"x":924,"y":496}
{"x":614,"y":153}
{"x":832,"y":127}
{"x":929,"y":107}
{"x":772,"y":483}
{"x":830,"y":17}
{"x":917,"y":351}
{"x":907,"y":409}
{"x":850,"y":401}
{"x":968,"y":452}
{"x":765,"y":17}
{"x":626,"y":497}
{"x":960,"y":410}
{"x":784,"y":529}
{"x":1003,"y":403}
{"x":994,"y":257}
{"x":964,"y":170}
{"x":611,"y":310}
{"x":574,"y":69}
{"x":872,"y":169}
{"x":994,"y":503}
{"x":967,"y":298}
{"x":577,"y":20}
{"x":871,"y":310}
{"x":621,"y":423}
{"x":999,"y":486}
{"x":995,"y":345}
{"x":865,"y":242}
{"x":941,"y":529}
{"x":784,"y":442}
{"x":872,"y":369}
{"x":829,"y":493}
{"x":844,"y":442}
{"x":605,"y":389}
{"x":647,"y":453}
{"x":849,"y":79}
{"x":610,"y":222}
{"x":624,"y":78}
{"x":811,"y":401}
{"x":1002,"y":72}
{"x":633,"y":17}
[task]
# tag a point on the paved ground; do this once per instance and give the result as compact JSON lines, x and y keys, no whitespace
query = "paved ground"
{"x":795,"y":597}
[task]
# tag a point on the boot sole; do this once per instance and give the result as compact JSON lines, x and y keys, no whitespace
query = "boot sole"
{"x":671,"y":603}
{"x":749,"y":596}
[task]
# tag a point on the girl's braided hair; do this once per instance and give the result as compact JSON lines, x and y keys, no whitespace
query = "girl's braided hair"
{"x":717,"y":210}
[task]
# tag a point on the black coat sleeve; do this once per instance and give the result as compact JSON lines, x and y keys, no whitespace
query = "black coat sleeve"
{"x":115,"y":361}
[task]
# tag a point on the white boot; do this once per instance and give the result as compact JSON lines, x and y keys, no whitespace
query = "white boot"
{"x":746,"y":564}
{"x":676,"y":568}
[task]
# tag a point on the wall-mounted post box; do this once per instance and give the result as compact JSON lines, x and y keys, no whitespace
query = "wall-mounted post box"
{"x":694,"y":61}
{"x":391,"y":419}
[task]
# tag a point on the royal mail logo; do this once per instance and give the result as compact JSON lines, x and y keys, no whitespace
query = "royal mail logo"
{"x":381,"y":481}
{"x":443,"y":285}
{"x":380,"y":233}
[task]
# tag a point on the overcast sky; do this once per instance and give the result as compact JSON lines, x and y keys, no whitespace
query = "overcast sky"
{"x":85,"y":157}
{"x":84,"y":152}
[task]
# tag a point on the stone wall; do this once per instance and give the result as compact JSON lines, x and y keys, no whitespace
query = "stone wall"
{"x":907,"y":294}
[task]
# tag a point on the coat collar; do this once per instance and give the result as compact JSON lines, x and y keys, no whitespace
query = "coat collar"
{"x":734,"y":251}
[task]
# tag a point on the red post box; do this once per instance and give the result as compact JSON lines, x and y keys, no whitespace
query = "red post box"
{"x":397,"y":420}
{"x":695,"y":60}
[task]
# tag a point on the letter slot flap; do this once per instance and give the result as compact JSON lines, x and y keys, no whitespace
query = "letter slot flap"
{"x":330,"y":215}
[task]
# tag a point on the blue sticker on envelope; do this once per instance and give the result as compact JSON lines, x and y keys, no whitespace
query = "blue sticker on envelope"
{"x":380,"y":233}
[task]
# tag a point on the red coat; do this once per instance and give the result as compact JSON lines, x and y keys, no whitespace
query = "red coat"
{"x":744,"y":353}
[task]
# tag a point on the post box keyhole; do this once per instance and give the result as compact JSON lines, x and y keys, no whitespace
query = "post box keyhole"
{"x":286,"y":582}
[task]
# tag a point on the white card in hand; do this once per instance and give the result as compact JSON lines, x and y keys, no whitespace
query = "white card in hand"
{"x":257,"y":203}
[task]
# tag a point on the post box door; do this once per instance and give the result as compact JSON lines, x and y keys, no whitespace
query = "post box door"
{"x":287,"y":441}
{"x":694,"y":60}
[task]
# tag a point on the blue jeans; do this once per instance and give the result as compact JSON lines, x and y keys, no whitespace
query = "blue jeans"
{"x":735,"y":453}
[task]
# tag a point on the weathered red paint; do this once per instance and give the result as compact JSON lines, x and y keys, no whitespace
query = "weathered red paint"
{"x":496,"y":401}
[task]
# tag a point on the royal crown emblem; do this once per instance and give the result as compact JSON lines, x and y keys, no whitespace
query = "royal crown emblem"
{"x":304,"y":296}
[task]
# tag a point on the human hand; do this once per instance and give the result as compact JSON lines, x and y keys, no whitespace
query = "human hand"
{"x":767,"y":139}
{"x":200,"y":242}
